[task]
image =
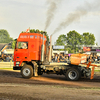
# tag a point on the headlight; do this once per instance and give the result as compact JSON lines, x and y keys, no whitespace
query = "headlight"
{"x":17,"y":63}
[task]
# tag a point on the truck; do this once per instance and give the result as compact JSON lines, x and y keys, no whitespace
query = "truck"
{"x":32,"y":55}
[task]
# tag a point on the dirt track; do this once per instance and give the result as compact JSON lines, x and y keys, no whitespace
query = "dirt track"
{"x":47,"y":87}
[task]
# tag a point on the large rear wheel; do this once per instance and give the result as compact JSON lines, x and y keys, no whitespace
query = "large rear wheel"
{"x":73,"y":74}
{"x":27,"y":71}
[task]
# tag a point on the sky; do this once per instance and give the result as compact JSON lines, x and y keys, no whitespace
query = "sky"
{"x":56,"y":17}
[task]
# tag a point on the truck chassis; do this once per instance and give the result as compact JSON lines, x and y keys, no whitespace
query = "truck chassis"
{"x":71,"y":72}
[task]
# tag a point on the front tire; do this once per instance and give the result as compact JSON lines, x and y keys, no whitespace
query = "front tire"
{"x":27,"y":71}
{"x":73,"y":74}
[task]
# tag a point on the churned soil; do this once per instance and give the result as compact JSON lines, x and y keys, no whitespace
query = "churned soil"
{"x":47,"y":87}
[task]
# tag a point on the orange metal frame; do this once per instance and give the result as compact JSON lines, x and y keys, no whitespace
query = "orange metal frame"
{"x":93,"y":66}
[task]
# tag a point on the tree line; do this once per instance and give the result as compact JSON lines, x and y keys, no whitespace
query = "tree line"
{"x":72,"y":40}
{"x":5,"y":37}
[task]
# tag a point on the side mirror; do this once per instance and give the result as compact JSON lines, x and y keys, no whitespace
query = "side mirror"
{"x":16,"y":49}
{"x":16,"y":46}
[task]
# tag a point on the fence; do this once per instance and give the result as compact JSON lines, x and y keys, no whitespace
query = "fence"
{"x":6,"y":64}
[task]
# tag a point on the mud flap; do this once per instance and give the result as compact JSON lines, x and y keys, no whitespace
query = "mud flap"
{"x":92,"y":72}
{"x":35,"y":68}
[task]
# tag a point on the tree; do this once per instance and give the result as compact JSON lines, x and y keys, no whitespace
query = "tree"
{"x":70,"y":41}
{"x":13,"y":43}
{"x":61,"y":40}
{"x":5,"y":37}
{"x":73,"y":40}
{"x":88,"y":38}
{"x":32,"y":31}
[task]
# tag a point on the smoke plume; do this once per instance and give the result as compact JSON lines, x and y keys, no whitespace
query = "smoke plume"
{"x":76,"y":15}
{"x":51,"y":11}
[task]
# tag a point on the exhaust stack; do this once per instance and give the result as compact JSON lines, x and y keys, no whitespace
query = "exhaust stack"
{"x":50,"y":52}
{"x":42,"y":53}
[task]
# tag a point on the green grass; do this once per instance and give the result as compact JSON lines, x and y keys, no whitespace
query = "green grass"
{"x":97,"y":70}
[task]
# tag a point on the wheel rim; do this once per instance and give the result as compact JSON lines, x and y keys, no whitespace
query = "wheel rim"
{"x":72,"y":75}
{"x":26,"y":72}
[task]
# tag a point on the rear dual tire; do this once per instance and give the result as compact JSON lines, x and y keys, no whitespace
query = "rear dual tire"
{"x":73,"y":74}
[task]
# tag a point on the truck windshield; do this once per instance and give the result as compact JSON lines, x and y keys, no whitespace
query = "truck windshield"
{"x":22,"y":45}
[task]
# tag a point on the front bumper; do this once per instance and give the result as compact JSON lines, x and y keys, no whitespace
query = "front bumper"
{"x":16,"y":68}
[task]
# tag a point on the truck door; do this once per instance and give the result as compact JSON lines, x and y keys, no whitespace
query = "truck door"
{"x":21,"y":51}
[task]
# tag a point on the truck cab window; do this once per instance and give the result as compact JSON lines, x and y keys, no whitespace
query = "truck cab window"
{"x":22,"y":45}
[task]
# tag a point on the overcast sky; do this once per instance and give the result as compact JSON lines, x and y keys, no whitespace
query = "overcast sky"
{"x":55,"y":16}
